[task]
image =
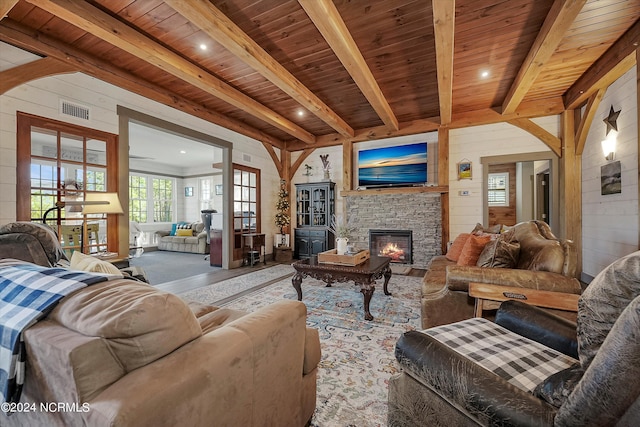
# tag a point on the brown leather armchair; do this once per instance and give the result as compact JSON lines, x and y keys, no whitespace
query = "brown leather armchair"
{"x":544,"y":263}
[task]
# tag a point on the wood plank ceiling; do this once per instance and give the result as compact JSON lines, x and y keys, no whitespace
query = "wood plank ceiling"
{"x":297,"y":74}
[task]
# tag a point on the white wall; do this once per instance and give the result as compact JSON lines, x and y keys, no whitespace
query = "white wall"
{"x":42,"y":97}
{"x":610,"y":222}
{"x":482,"y":141}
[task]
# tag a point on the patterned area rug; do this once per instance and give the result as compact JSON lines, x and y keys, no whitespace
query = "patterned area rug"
{"x":357,"y":355}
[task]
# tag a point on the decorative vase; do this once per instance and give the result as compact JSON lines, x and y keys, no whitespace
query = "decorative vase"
{"x":341,"y":245}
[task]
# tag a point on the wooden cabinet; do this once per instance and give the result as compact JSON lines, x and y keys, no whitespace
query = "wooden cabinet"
{"x":215,"y":248}
{"x":315,"y":205}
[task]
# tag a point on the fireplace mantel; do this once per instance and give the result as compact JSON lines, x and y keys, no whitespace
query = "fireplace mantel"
{"x":396,"y":190}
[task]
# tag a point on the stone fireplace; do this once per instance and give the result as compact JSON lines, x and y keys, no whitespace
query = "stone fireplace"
{"x":415,"y":211}
{"x":395,"y":244}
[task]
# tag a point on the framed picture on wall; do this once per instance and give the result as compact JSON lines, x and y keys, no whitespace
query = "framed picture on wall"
{"x":188,"y":191}
{"x":611,"y":178}
{"x":219,"y":190}
{"x":464,"y":170}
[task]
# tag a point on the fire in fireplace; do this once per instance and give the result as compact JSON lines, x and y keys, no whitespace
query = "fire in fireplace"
{"x":395,"y":244}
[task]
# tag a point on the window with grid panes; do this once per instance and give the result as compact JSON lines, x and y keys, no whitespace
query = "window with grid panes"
{"x":498,"y":189}
{"x":60,"y":162}
{"x":138,"y":198}
{"x":162,"y":200}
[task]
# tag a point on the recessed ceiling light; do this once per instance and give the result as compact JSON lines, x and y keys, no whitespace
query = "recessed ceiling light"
{"x":300,"y":113}
{"x":484,"y":74}
{"x":203,"y":46}
{"x":183,"y":152}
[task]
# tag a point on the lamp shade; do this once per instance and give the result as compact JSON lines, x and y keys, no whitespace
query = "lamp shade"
{"x":102,"y":203}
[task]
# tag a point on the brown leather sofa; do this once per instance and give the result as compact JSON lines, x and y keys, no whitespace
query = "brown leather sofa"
{"x":544,"y":263}
{"x":122,"y":353}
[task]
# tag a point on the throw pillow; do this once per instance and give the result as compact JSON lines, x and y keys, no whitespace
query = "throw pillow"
{"x":456,"y":248}
{"x":499,"y":253}
{"x":184,"y":232}
{"x":173,"y":229}
{"x":472,"y":249}
{"x":82,"y":262}
{"x":480,"y":229}
{"x":601,"y":303}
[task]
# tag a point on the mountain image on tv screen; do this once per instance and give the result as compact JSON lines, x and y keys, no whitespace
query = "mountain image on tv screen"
{"x":393,"y":166}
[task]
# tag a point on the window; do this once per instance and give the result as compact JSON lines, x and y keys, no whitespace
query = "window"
{"x":138,"y":198}
{"x":498,"y":186}
{"x":61,"y":162}
{"x":151,"y":198}
{"x":206,"y":193}
{"x":162,"y":200}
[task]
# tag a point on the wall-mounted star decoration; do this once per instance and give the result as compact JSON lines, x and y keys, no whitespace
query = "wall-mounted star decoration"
{"x":611,"y":120}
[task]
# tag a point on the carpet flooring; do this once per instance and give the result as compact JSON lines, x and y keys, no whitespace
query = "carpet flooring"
{"x":166,"y":266}
{"x":357,"y":355}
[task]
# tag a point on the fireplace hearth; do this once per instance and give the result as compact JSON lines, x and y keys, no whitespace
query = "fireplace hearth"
{"x":395,"y":244}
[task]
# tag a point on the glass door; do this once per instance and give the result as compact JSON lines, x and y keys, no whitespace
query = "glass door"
{"x":59,"y":164}
{"x":246,"y":206}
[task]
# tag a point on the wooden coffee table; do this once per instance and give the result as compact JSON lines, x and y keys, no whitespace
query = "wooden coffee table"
{"x":364,"y":275}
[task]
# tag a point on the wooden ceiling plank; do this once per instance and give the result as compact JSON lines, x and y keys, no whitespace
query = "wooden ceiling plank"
{"x":444,"y":30}
{"x":551,"y":141}
{"x":327,"y":19}
{"x":109,"y":29}
{"x":587,"y":119}
{"x":219,"y":27}
{"x":34,"y":41}
{"x":31,"y":71}
{"x":558,"y":21}
{"x":617,"y":60}
{"x":6,"y":6}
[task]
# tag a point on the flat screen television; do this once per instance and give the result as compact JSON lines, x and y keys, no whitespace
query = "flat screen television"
{"x":401,"y":165}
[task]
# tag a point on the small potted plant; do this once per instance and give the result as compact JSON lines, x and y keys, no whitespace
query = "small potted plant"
{"x":342,"y":233}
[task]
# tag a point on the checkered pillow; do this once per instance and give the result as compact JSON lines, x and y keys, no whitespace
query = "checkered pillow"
{"x":519,"y":360}
{"x":183,"y":226}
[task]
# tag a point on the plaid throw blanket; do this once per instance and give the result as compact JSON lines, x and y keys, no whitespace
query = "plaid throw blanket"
{"x":27,"y":293}
{"x":519,"y":360}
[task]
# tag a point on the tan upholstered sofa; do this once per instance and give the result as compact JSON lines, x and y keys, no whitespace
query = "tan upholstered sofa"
{"x":121,"y":353}
{"x":544,"y":262}
{"x":195,"y":242}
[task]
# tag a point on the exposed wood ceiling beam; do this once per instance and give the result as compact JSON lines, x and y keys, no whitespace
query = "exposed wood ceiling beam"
{"x":93,"y":20}
{"x":306,"y":152}
{"x":586,"y":120}
{"x":616,"y":61}
{"x":6,"y":6}
{"x":34,"y":41}
{"x":31,"y":71}
{"x":327,"y":19}
{"x":556,"y":24}
{"x":220,"y":28}
{"x":444,"y":26}
{"x":540,"y":108}
{"x":550,"y":140}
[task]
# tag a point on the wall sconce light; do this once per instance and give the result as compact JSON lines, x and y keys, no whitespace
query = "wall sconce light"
{"x":609,"y":146}
{"x":611,"y":135}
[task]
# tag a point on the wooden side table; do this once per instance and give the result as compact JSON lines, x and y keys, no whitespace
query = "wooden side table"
{"x":489,"y":296}
{"x":282,"y":254}
{"x":253,"y":244}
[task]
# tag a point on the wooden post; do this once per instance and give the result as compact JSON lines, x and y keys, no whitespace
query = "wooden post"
{"x":347,"y":165}
{"x":443,"y":181}
{"x":571,"y":186}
